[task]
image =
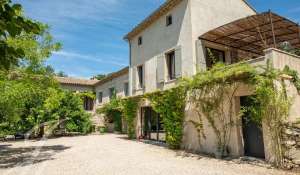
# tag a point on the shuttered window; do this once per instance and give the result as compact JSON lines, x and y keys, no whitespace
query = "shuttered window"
{"x":170,"y":60}
{"x":140,"y":71}
{"x":169,"y":20}
{"x":126,"y":89}
{"x":100,"y":97}
{"x":160,"y":71}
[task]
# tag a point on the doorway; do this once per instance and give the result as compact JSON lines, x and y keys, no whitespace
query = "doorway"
{"x":252,"y":131}
{"x":153,"y":128}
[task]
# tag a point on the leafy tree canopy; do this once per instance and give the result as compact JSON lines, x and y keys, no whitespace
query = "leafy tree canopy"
{"x":99,"y":76}
{"x":13,"y":24}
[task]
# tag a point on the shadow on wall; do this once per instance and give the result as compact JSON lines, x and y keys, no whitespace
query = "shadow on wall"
{"x":14,"y":157}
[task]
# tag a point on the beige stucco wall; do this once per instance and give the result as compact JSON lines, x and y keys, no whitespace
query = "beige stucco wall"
{"x":280,"y":59}
{"x":208,"y":145}
{"x":190,"y":140}
{"x":117,"y":83}
{"x":191,"y":18}
{"x":159,"y":39}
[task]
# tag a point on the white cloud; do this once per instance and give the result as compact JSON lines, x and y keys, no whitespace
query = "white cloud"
{"x":107,"y":60}
{"x":64,"y":12}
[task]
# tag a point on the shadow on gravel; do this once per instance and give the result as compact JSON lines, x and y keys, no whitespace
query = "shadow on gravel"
{"x":13,"y":157}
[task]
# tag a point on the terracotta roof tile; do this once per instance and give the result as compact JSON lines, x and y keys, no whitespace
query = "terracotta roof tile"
{"x":76,"y":81}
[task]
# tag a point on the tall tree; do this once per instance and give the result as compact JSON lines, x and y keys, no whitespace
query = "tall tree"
{"x":12,"y":24}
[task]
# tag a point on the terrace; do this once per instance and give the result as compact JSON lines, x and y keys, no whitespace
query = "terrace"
{"x":258,"y":38}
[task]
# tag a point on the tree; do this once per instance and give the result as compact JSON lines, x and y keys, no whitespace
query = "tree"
{"x":61,"y":74}
{"x":99,"y":76}
{"x":12,"y":24}
{"x":36,"y":47}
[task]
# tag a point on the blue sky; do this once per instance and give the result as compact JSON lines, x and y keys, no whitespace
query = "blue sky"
{"x":92,"y":31}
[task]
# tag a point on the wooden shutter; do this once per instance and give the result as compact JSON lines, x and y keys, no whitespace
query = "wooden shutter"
{"x":201,"y":56}
{"x":160,"y":70}
{"x":134,"y":76}
{"x":178,"y":62}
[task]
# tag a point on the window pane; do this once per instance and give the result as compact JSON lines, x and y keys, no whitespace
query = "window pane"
{"x":126,"y":89}
{"x":100,"y":96}
{"x":140,"y":40}
{"x":171,"y":65}
{"x":214,"y":56}
{"x":169,"y":20}
{"x":141,"y":76}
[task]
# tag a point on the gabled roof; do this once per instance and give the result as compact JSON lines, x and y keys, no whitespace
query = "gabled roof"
{"x":86,"y":82}
{"x":111,"y":76}
{"x":162,"y":10}
{"x":76,"y":81}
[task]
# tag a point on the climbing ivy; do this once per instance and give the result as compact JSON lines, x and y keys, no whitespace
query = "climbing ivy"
{"x":170,"y":104}
{"x":129,"y":110}
{"x":88,"y":94}
{"x":112,"y":112}
{"x":211,"y":94}
{"x":117,"y":109}
{"x":295,"y":76}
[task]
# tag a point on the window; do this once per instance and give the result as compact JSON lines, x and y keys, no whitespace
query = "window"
{"x":169,"y":20}
{"x":126,"y":89}
{"x":140,"y":41}
{"x":213,"y":56}
{"x":170,"y":59}
{"x":112,"y":93}
{"x":100,"y":97}
{"x":140,"y":71}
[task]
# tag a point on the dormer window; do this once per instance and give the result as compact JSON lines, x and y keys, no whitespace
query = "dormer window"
{"x":140,"y":41}
{"x":169,"y":20}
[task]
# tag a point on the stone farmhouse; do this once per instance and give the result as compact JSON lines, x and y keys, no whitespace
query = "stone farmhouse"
{"x":172,"y":43}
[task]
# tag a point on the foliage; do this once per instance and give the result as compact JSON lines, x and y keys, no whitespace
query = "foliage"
{"x":112,"y":112}
{"x":61,"y":74}
{"x":170,"y":105}
{"x":287,"y":47}
{"x":88,"y":94}
{"x":294,"y":74}
{"x":71,"y":110}
{"x":129,"y":110}
{"x":273,"y":108}
{"x":99,"y":76}
{"x":212,"y":93}
{"x":13,"y":24}
{"x":36,"y":47}
{"x":29,"y":95}
{"x":21,"y":95}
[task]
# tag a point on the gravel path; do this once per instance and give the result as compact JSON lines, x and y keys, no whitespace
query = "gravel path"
{"x":109,"y":155}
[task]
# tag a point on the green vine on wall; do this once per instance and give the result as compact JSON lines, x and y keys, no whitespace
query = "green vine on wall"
{"x":129,"y":109}
{"x":212,"y":93}
{"x":112,"y":112}
{"x":170,"y":105}
{"x":87,"y":94}
{"x":117,"y":109}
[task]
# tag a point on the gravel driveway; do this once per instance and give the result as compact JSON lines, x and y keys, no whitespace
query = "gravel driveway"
{"x":111,"y":154}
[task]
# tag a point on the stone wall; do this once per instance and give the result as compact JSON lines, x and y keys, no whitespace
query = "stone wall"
{"x":292,"y":143}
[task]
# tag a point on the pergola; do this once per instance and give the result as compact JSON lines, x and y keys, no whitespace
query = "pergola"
{"x":256,"y":33}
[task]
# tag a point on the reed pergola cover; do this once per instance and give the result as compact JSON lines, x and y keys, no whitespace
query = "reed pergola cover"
{"x":256,"y":33}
